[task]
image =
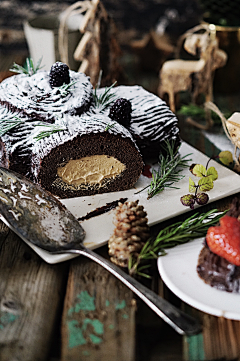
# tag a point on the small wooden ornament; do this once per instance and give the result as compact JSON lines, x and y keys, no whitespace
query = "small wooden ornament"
{"x":98,"y":50}
{"x":195,"y":76}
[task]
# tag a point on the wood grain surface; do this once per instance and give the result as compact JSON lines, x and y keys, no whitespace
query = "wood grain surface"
{"x":99,"y":315}
{"x":31,"y":294}
{"x":77,"y":311}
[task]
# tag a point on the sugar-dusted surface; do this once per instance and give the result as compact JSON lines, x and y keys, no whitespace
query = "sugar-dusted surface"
{"x":152,"y":122}
{"x":34,"y":97}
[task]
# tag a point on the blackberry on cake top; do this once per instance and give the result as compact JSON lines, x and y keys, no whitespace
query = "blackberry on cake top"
{"x":59,"y":74}
{"x":121,"y":111}
{"x":82,"y":131}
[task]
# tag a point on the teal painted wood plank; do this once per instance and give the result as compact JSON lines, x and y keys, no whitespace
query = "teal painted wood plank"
{"x":99,"y":316}
{"x":194,"y":348}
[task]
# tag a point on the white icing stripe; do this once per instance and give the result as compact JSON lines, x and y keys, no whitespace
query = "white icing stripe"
{"x":150,"y":115}
{"x":39,"y":99}
{"x":151,"y":119}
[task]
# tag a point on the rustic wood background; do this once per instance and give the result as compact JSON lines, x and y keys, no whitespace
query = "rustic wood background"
{"x":135,"y":15}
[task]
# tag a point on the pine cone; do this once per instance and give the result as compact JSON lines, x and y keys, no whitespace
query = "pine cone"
{"x":130,"y":234}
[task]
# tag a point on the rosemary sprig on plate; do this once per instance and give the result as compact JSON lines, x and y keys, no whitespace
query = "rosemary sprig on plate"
{"x":105,"y":99}
{"x":8,"y":124}
{"x":179,"y":233}
{"x":169,"y":169}
{"x":28,"y":69}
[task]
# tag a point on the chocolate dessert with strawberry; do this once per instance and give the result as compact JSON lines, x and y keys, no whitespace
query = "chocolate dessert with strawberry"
{"x":219,"y":259}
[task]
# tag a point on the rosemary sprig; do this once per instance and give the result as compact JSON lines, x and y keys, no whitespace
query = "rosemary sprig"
{"x":105,"y":99}
{"x":8,"y":124}
{"x":46,"y":133}
{"x":28,"y":69}
{"x":179,"y":233}
{"x":64,"y":89}
{"x":169,"y":169}
{"x":109,"y":126}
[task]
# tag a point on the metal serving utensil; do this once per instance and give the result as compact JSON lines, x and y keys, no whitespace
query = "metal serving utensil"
{"x":38,"y":217}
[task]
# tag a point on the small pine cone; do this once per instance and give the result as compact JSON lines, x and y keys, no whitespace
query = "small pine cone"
{"x":130,"y":234}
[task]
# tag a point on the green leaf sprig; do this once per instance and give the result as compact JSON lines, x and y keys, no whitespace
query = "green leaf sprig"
{"x":28,"y":69}
{"x":109,"y":126}
{"x":169,"y":170}
{"x":64,"y":89}
{"x":179,"y":233}
{"x":207,"y":177}
{"x":103,"y":100}
{"x":8,"y":124}
{"x":47,"y":133}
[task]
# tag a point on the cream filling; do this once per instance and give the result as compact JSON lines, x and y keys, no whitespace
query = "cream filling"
{"x":90,"y":170}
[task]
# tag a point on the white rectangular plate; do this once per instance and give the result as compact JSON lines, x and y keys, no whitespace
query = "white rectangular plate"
{"x":159,"y":208}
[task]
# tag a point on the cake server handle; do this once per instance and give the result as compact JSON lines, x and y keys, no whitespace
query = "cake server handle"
{"x":177,"y":319}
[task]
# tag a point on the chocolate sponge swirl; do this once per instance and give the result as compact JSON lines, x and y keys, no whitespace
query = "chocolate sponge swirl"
{"x":62,"y":129}
{"x":56,"y":127}
{"x":85,"y":136}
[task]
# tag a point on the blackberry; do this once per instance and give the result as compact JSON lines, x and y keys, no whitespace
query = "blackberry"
{"x":59,"y":74}
{"x":121,"y":111}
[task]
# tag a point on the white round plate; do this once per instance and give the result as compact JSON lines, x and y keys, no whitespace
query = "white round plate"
{"x":178,"y":271}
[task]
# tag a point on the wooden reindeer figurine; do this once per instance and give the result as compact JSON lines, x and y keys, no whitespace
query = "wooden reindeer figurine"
{"x":195,"y":76}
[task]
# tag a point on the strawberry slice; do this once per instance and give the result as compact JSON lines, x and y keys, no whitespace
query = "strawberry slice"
{"x":224,"y":240}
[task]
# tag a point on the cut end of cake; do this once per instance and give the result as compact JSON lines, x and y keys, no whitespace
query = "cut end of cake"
{"x":62,"y":125}
{"x":93,"y":164}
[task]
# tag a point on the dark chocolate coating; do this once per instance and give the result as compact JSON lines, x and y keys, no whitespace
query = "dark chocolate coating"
{"x":85,"y":130}
{"x":217,"y":271}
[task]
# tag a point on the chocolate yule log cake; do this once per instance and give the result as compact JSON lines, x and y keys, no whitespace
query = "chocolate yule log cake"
{"x":219,"y":259}
{"x":151,"y":122}
{"x":74,"y":140}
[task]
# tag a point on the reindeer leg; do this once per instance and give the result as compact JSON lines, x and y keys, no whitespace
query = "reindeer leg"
{"x":209,"y":98}
{"x":172,"y":101}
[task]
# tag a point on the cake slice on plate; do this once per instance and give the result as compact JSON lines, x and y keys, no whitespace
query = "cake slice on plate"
{"x":219,"y":260}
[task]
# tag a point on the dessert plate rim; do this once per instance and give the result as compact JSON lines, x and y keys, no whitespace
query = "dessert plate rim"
{"x":178,"y":270}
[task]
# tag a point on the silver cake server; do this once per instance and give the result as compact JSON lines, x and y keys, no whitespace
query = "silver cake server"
{"x":39,"y":218}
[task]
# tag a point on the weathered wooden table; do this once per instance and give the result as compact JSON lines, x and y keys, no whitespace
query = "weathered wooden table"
{"x":76,"y":310}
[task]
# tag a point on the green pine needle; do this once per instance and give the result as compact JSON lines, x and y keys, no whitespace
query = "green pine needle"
{"x":64,"y":89}
{"x":8,"y":124}
{"x":47,"y":133}
{"x":105,"y":99}
{"x":179,"y":233}
{"x":28,"y":69}
{"x":109,"y":126}
{"x":169,"y":169}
